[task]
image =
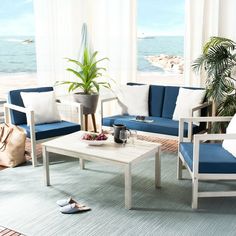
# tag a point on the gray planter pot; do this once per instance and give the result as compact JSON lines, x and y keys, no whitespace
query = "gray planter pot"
{"x":88,"y":101}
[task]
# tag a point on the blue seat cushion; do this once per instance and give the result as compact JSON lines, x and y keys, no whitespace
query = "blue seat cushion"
{"x":213,"y":158}
{"x":44,"y":131}
{"x":159,"y":125}
{"x":14,"y":97}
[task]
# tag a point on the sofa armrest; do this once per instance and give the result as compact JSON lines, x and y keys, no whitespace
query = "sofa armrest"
{"x":200,"y":107}
{"x":104,"y":100}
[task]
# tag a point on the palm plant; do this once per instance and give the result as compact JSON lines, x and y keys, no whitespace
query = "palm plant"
{"x":87,"y":72}
{"x":218,"y":61}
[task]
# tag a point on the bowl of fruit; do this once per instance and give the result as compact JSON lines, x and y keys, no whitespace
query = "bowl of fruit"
{"x":94,"y":139}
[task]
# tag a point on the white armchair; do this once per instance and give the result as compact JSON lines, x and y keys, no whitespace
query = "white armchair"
{"x":15,"y":113}
{"x":206,"y":161}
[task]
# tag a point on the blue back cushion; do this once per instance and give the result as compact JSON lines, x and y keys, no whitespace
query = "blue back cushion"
{"x":14,"y":97}
{"x":156,"y":98}
{"x":170,"y":97}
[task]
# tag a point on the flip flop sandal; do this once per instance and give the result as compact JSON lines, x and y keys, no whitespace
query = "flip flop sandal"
{"x":74,"y":208}
{"x":64,"y":202}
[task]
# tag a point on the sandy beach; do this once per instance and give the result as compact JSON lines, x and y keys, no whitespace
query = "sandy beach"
{"x":16,"y":81}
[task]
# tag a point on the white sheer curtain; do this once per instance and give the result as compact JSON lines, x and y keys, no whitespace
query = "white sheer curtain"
{"x":58,"y":32}
{"x":112,"y":26}
{"x":112,"y":30}
{"x":205,"y":18}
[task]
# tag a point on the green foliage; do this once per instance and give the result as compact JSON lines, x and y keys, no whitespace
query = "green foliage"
{"x":217,"y":61}
{"x":87,"y":73}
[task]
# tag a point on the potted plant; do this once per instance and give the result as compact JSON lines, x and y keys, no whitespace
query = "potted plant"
{"x":218,"y":62}
{"x":87,"y":73}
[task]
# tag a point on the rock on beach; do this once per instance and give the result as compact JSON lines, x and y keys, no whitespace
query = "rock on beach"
{"x":168,"y":63}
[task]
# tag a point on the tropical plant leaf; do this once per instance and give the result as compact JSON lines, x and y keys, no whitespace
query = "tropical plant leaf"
{"x":76,"y":62}
{"x":226,"y":43}
{"x":218,"y":61}
{"x":87,"y":72}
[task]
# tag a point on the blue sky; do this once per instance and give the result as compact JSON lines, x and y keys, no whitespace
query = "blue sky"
{"x":160,"y":17}
{"x":16,"y":17}
{"x":154,"y":17}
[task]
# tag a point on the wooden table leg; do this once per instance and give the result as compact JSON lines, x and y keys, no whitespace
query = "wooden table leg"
{"x":81,"y":161}
{"x":86,"y":122}
{"x":94,"y":123}
{"x":46,"y":166}
{"x":157,"y":169}
{"x":128,"y":187}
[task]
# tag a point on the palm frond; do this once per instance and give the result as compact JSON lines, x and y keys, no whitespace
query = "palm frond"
{"x":214,"y":41}
{"x":228,"y":106}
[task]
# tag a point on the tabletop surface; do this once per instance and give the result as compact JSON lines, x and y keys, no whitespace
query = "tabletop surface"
{"x":110,"y":150}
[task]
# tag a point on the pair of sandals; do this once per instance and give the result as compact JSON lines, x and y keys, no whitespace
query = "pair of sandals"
{"x":70,"y":206}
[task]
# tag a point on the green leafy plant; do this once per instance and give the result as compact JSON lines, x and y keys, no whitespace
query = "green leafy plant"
{"x":218,"y":61}
{"x":87,"y":73}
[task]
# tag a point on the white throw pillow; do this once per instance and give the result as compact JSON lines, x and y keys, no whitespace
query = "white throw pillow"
{"x":134,"y":99}
{"x":230,"y":144}
{"x":186,"y":101}
{"x":44,"y":106}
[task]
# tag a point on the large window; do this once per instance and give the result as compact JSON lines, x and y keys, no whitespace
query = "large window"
{"x":17,"y":47}
{"x":160,"y":38}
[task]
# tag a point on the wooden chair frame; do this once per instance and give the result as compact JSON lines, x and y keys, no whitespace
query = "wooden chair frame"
{"x":30,"y":113}
{"x":195,"y":175}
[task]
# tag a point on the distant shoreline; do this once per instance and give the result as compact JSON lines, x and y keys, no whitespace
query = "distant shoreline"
{"x":17,"y":73}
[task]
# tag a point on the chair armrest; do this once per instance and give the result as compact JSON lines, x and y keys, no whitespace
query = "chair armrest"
{"x":7,"y":107}
{"x":77,"y":105}
{"x":69,"y":103}
{"x":2,"y":101}
{"x":190,"y":120}
{"x":16,"y":108}
{"x":205,"y":137}
{"x":29,"y":113}
{"x":108,"y":99}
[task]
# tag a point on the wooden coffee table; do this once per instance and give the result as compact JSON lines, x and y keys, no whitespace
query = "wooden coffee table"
{"x":111,"y":153}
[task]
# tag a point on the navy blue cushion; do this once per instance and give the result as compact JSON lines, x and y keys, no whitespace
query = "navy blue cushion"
{"x":213,"y":158}
{"x":44,"y":131}
{"x":160,"y":125}
{"x":170,"y":97}
{"x":156,"y":98}
{"x":14,"y":97}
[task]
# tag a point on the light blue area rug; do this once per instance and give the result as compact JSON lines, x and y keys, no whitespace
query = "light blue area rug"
{"x":27,"y":206}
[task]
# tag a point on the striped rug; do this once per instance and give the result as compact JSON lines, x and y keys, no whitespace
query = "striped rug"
{"x":8,"y":232}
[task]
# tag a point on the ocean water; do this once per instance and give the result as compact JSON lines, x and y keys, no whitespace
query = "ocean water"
{"x":19,"y":57}
{"x":151,"y":46}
